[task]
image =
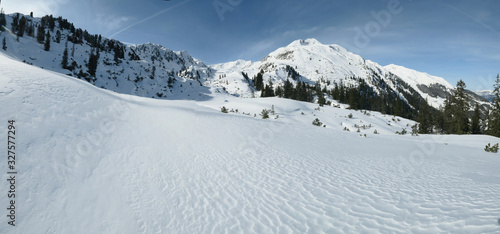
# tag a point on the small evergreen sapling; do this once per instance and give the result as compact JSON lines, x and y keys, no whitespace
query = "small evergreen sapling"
{"x":402,"y":132}
{"x":223,"y":109}
{"x":491,"y":149}
{"x":317,"y":122}
{"x":414,"y":130}
{"x":265,"y":114}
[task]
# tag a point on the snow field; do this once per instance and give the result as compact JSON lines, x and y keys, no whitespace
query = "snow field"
{"x":92,"y":161}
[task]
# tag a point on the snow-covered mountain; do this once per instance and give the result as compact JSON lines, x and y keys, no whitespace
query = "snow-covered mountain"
{"x":93,"y":161}
{"x":432,"y":88}
{"x":486,"y":94}
{"x":154,"y":71}
{"x":332,"y":64}
{"x":148,"y":70}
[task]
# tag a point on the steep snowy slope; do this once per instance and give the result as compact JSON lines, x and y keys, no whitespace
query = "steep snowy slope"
{"x":434,"y":89}
{"x":93,"y":161}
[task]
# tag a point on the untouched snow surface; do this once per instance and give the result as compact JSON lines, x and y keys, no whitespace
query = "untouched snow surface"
{"x":93,"y":161}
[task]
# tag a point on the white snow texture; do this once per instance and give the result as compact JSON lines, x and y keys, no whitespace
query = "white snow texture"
{"x":94,"y":161}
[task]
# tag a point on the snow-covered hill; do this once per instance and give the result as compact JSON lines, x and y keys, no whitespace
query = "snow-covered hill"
{"x":93,"y":161}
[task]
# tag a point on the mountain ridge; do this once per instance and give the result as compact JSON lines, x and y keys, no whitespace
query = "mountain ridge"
{"x":155,"y":71}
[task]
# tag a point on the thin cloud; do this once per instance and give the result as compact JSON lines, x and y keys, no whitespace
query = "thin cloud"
{"x":472,"y":17}
{"x":112,"y":22}
{"x":150,"y":17}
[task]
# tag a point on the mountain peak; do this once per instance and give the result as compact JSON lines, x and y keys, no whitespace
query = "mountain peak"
{"x":310,"y":41}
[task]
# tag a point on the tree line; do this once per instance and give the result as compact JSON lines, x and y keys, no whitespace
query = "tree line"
{"x":454,"y":117}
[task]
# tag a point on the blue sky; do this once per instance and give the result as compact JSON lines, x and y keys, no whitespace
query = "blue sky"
{"x":452,"y":39}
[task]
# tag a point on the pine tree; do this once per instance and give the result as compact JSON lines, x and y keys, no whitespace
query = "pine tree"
{"x":3,"y":21}
{"x":424,"y":118}
{"x":64,"y":61}
{"x":342,"y":93}
{"x":47,"y":41}
{"x":476,"y":118}
{"x":21,"y":27}
{"x":40,"y":34}
{"x":268,"y":90}
{"x":494,"y":118}
{"x":456,"y":109}
{"x":258,"y":81}
{"x":92,"y":64}
{"x":320,"y":94}
{"x":4,"y":44}
{"x":279,"y":92}
{"x":288,"y":89}
{"x":353,"y":98}
{"x":58,"y":36}
{"x":398,"y":109}
{"x":15,"y":23}
{"x":31,"y":30}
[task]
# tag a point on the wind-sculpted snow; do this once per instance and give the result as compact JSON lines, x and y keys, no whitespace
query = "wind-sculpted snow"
{"x":92,"y":161}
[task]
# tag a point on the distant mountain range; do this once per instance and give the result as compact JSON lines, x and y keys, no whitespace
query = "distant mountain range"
{"x":486,"y":94}
{"x":152,"y":70}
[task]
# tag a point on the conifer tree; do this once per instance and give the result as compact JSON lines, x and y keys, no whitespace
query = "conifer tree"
{"x":353,"y":98}
{"x":476,"y":118}
{"x":15,"y":23}
{"x":4,"y":44}
{"x":92,"y":64}
{"x":288,"y":89}
{"x":64,"y":61}
{"x":21,"y":27}
{"x":494,"y":118}
{"x":424,"y":118}
{"x":258,"y":81}
{"x":31,"y":30}
{"x":320,"y":94}
{"x":47,"y":41}
{"x":456,"y":108}
{"x":40,"y":34}
{"x":58,"y":36}
{"x":268,"y":90}
{"x":342,"y":93}
{"x":279,"y":92}
{"x":3,"y":21}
